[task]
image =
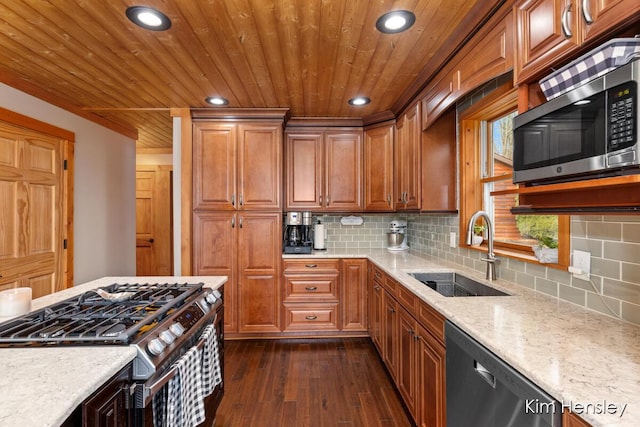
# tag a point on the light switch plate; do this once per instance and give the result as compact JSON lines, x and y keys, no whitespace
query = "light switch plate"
{"x":582,"y":261}
{"x":452,"y":239}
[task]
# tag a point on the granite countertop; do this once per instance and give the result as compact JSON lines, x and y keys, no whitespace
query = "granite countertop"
{"x":43,"y":386}
{"x":578,"y":356}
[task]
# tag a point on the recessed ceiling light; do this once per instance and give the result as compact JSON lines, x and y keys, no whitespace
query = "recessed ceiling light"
{"x":359,"y":101}
{"x":395,"y":21}
{"x":218,"y":101}
{"x":148,"y":18}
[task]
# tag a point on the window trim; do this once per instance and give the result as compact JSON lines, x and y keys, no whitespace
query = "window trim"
{"x":501,"y":100}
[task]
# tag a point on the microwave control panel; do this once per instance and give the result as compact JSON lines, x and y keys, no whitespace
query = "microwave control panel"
{"x":622,"y":116}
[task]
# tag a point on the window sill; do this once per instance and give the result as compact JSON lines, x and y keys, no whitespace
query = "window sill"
{"x":513,"y":254}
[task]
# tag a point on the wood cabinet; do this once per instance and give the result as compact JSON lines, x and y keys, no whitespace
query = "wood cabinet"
{"x":311,"y":296}
{"x":353,"y":275}
{"x":412,"y":347}
{"x":109,"y":405}
{"x":378,"y":169}
{"x":245,"y":247}
{"x":237,"y":166}
{"x":441,"y":95}
{"x":570,"y":419}
{"x":549,"y":31}
{"x":324,"y":170}
{"x":439,"y":165}
{"x":407,"y":160}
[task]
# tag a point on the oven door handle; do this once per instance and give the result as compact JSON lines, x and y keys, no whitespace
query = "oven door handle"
{"x":156,"y":386}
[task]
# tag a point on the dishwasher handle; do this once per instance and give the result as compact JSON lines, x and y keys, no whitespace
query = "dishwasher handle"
{"x":485,"y":374}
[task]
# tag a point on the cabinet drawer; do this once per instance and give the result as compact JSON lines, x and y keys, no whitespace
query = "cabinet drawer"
{"x":432,"y":320}
{"x":310,"y":266}
{"x":311,"y":317}
{"x":390,"y":285}
{"x":378,"y":275}
{"x":407,"y":299}
{"x":300,"y":287}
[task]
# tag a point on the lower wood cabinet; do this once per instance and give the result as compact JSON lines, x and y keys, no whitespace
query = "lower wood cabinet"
{"x":409,"y":335}
{"x":571,"y":420}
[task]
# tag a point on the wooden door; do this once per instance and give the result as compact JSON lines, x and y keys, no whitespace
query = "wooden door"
{"x":378,"y":169}
{"x":154,"y":248}
{"x":601,"y":16}
{"x":214,"y":250}
{"x":546,"y":30}
{"x":408,"y":161}
{"x":304,"y":171}
{"x":259,"y":258}
{"x":353,"y":273}
{"x":343,"y":171}
{"x":390,"y":334}
{"x":431,"y":373}
{"x":214,"y":166}
{"x":35,"y":194}
{"x":407,"y":373}
{"x":260,"y":166}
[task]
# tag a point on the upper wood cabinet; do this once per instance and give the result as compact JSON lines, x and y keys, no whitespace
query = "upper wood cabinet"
{"x":440,"y":96}
{"x":324,"y":170}
{"x":439,"y":165}
{"x":407,"y":160}
{"x":548,"y":31}
{"x":237,"y":166}
{"x":378,"y":169}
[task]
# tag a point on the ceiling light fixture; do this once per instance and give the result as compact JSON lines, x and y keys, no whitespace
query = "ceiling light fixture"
{"x":148,"y":18}
{"x":218,"y":101}
{"x":359,"y":101}
{"x":396,"y":21}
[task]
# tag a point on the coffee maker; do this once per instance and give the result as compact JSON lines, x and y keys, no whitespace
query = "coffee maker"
{"x":297,"y":233}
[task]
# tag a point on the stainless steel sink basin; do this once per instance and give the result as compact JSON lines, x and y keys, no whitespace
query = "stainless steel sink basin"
{"x":456,"y":285}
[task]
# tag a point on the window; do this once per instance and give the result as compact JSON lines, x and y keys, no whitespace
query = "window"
{"x":487,"y":167}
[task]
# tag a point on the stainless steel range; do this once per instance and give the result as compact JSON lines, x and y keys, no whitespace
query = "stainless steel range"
{"x":163,"y":321}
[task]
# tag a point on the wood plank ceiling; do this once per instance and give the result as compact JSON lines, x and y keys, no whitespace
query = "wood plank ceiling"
{"x":308,"y":55}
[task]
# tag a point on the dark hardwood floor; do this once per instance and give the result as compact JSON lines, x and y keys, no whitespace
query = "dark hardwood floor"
{"x":307,"y":383}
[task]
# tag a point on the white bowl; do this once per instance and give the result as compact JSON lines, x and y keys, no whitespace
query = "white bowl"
{"x":14,"y":302}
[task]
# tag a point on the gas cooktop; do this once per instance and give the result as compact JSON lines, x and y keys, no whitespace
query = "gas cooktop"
{"x":115,"y":314}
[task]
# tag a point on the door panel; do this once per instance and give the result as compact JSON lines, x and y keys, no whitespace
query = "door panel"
{"x":304,"y":167}
{"x":32,"y":210}
{"x":343,"y":171}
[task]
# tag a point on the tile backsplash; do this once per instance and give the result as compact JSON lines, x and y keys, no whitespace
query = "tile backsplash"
{"x":613,"y":241}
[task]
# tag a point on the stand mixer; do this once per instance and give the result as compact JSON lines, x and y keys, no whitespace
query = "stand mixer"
{"x":397,"y":236}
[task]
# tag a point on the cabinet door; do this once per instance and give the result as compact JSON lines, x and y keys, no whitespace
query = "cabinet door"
{"x":259,"y":166}
{"x":440,"y":97}
{"x":390,"y":334}
{"x":600,"y":16}
{"x":354,"y":294}
{"x":407,"y":367}
{"x":259,"y":256}
{"x":304,"y":166}
{"x":214,"y":166}
{"x":546,"y":30}
{"x":109,"y":406}
{"x":343,"y":171}
{"x":214,"y":249}
{"x":439,"y":165}
{"x":431,"y":381}
{"x":408,"y":161}
{"x":376,"y":310}
{"x":378,"y":169}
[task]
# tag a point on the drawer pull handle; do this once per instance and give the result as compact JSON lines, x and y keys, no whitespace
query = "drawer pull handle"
{"x":311,"y":317}
{"x":311,"y":265}
{"x":311,"y":288}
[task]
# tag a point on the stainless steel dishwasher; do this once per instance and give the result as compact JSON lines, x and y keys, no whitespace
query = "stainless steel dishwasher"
{"x":484,"y":391}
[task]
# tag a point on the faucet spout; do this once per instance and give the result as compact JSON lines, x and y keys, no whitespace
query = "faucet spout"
{"x":491,"y":256}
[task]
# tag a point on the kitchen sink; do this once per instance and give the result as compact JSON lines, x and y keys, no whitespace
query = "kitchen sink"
{"x":456,"y":285}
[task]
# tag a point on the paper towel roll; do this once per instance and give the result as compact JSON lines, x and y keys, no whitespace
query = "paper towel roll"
{"x":318,"y":237}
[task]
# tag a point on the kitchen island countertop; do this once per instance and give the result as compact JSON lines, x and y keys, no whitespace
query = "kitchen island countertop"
{"x":588,"y":361}
{"x":43,"y":386}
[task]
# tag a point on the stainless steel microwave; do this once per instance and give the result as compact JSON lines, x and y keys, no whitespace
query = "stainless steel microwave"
{"x":590,"y":131}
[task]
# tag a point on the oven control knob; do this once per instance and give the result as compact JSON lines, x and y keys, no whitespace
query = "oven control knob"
{"x":211,"y":299}
{"x":167,"y":337}
{"x":155,"y":346}
{"x":177,"y":329}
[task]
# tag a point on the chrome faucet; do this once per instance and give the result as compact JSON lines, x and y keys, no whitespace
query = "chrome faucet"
{"x":491,"y":259}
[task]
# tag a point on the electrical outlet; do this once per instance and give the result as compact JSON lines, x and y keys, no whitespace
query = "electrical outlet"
{"x":452,"y":239}
{"x":582,"y":263}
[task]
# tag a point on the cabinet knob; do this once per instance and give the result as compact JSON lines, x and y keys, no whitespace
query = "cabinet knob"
{"x":327,"y":200}
{"x":311,"y":288}
{"x":233,"y":223}
{"x":389,"y":199}
{"x":241,"y":200}
{"x":311,"y":317}
{"x":586,"y":12}
{"x":240,"y":222}
{"x":233,"y":200}
{"x":311,"y":265}
{"x":566,"y":25}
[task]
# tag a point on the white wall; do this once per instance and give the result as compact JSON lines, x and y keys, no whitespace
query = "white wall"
{"x":104,"y":186}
